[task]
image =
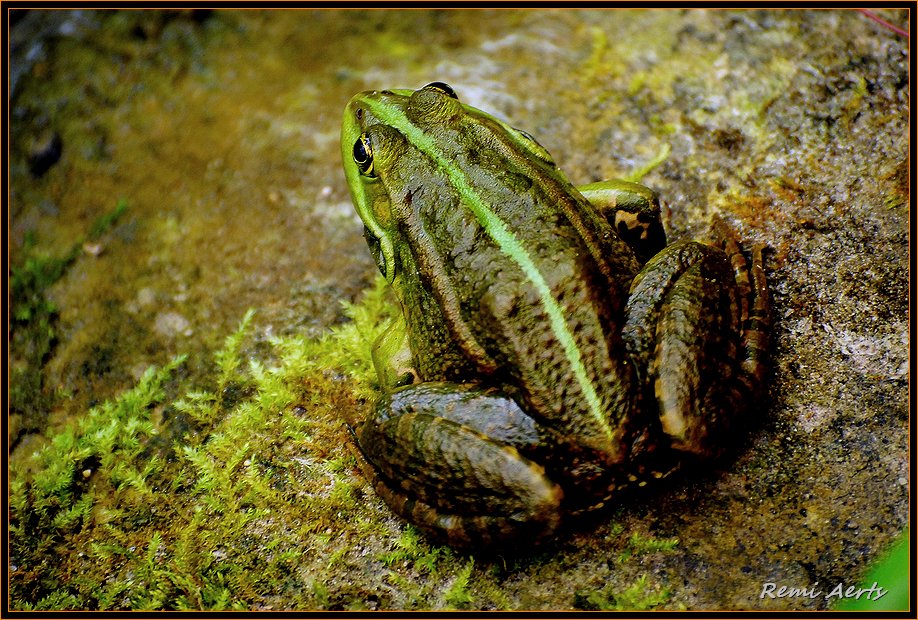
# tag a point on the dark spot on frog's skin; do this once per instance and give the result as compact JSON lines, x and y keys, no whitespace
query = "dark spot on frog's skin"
{"x":408,"y":196}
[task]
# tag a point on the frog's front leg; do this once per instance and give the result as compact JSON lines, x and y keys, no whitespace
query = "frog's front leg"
{"x":446,"y":458}
{"x":696,"y":327}
{"x":633,"y":210}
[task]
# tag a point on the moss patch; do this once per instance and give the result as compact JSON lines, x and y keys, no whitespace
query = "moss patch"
{"x":174,"y":497}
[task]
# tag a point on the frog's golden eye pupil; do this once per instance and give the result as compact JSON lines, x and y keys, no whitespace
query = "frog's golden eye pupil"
{"x":444,"y":88}
{"x":363,"y":155}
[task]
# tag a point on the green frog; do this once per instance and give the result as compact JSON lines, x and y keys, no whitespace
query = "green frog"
{"x":551,"y":350}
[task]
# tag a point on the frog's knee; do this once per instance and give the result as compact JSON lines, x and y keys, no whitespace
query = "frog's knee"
{"x":457,"y":483}
{"x":633,"y":210}
{"x":687,"y":417}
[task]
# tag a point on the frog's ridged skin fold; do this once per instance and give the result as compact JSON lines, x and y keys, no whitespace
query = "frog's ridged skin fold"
{"x":552,"y":370}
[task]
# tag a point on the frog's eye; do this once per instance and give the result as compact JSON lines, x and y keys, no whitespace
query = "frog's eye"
{"x":363,"y":156}
{"x":533,"y":146}
{"x":446,"y":89}
{"x":526,"y":135}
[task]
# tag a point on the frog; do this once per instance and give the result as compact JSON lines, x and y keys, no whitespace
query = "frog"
{"x":551,"y":351}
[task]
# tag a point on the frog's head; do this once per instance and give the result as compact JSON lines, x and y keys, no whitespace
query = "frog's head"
{"x":395,"y":143}
{"x":382,"y":132}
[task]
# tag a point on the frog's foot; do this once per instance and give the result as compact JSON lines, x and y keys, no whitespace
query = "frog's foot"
{"x":695,"y":330}
{"x":454,"y":481}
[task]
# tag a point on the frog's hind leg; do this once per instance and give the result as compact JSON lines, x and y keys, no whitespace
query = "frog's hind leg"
{"x":696,"y":328}
{"x":452,"y":480}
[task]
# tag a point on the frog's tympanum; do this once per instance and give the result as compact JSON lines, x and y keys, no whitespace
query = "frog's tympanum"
{"x":552,"y":350}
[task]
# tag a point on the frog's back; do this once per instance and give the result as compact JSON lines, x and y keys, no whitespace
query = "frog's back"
{"x":562,"y":327}
{"x":531,"y":280}
{"x":544,"y":304}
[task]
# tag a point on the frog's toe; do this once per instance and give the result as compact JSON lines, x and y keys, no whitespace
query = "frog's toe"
{"x":633,"y":210}
{"x":754,"y":307}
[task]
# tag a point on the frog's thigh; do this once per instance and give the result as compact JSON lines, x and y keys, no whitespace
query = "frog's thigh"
{"x":456,"y":482}
{"x":682,"y":328}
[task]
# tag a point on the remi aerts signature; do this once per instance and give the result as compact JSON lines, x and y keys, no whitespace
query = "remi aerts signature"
{"x":839,"y":592}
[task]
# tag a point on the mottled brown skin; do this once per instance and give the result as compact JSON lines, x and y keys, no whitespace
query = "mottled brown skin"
{"x":516,"y":416}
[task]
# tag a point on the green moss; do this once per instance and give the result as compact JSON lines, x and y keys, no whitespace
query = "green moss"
{"x":457,"y":595}
{"x":103,"y":448}
{"x":228,"y":358}
{"x":643,"y":544}
{"x":33,"y":330}
{"x":640,"y":595}
{"x":645,"y":169}
{"x":104,"y":222}
{"x":210,"y":500}
{"x":410,"y":548}
{"x":93,"y":473}
{"x":636,"y":544}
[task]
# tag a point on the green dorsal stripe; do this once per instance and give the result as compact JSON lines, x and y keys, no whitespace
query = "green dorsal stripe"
{"x":508,"y":244}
